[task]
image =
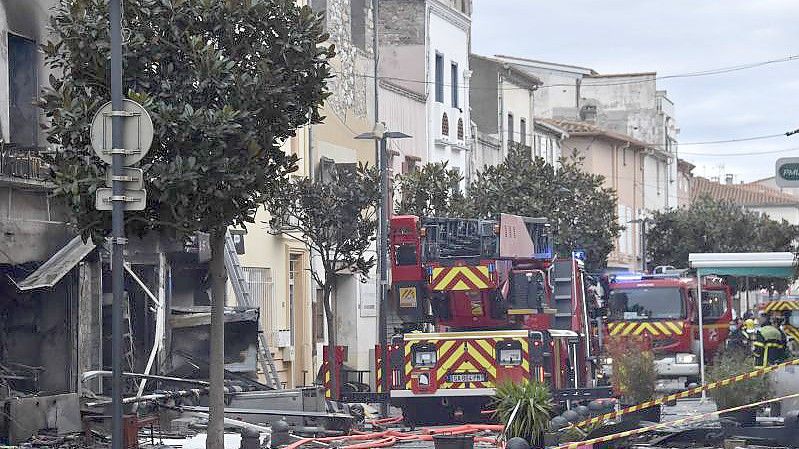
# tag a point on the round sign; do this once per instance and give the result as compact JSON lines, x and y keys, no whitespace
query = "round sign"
{"x":137,"y":132}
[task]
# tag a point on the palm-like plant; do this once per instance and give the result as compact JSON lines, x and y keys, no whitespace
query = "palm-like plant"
{"x":532,"y":403}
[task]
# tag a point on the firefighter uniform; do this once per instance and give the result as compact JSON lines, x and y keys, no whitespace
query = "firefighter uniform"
{"x":769,"y":346}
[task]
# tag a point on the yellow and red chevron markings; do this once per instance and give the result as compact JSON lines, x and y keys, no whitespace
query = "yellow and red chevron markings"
{"x":463,"y":278}
{"x":463,"y":356}
{"x":791,"y":331}
{"x":781,"y":306}
{"x":653,"y":328}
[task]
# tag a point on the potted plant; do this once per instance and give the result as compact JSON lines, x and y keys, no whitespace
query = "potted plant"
{"x":532,"y":402}
{"x":634,"y":376}
{"x":729,"y":364}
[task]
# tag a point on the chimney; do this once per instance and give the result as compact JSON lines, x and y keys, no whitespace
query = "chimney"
{"x":588,"y":113}
{"x":729,"y":178}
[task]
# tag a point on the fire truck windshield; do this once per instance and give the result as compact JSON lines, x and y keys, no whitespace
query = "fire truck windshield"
{"x":714,"y":304}
{"x":646,"y":303}
{"x":793,"y":319}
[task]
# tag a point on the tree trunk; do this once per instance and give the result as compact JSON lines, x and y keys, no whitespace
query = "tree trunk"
{"x":216,"y":366}
{"x":327,"y":291}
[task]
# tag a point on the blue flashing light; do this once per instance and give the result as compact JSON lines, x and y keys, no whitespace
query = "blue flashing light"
{"x":632,"y":277}
{"x":491,"y":268}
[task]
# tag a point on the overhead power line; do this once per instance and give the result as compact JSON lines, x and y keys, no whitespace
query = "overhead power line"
{"x":751,"y":153}
{"x":709,"y":72}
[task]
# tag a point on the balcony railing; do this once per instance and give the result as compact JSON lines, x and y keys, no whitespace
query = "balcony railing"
{"x":23,"y":162}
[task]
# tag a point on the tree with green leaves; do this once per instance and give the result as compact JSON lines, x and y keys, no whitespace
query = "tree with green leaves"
{"x":336,"y":221}
{"x":580,"y":208}
{"x":226,"y":82}
{"x":711,"y":226}
{"x":431,"y":191}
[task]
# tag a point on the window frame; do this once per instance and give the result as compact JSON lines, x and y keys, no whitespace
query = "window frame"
{"x":439,"y":77}
{"x":453,"y":70}
{"x":509,"y":125}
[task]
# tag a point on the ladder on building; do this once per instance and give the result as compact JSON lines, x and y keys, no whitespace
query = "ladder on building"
{"x":242,"y":292}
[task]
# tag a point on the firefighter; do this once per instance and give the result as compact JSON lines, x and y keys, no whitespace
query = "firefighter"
{"x":738,"y":339}
{"x":770,"y":343}
{"x":750,"y":327}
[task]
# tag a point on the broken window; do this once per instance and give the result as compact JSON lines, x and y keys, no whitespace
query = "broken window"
{"x":23,"y":88}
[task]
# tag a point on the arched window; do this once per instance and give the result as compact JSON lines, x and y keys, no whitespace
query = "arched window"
{"x":460,"y":129}
{"x":445,"y":125}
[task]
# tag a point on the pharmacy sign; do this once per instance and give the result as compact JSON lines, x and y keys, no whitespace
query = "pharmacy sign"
{"x":787,"y":172}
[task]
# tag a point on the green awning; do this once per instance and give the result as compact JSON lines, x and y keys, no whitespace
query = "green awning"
{"x":778,"y":265}
{"x":772,"y":272}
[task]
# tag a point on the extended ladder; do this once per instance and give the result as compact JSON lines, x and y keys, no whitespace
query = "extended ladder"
{"x":242,"y":292}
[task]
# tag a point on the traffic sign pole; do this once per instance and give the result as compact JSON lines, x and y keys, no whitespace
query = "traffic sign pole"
{"x":117,"y":220}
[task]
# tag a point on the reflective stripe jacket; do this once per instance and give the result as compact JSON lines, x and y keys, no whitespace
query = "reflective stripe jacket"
{"x":769,"y":345}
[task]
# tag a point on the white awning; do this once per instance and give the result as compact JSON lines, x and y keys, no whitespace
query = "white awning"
{"x":52,"y":271}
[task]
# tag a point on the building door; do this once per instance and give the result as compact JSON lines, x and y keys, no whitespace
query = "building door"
{"x":298,"y":311}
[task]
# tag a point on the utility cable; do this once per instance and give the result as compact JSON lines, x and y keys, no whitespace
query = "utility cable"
{"x":709,"y":72}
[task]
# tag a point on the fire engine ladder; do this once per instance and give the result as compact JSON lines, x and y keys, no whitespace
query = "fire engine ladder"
{"x":562,"y":290}
{"x":242,"y":292}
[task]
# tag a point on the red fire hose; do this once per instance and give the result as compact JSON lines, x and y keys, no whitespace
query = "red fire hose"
{"x":389,"y":438}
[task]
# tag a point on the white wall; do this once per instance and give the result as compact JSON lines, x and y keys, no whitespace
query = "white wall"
{"x":656,"y":176}
{"x":519,"y":102}
{"x":451,"y":41}
{"x":404,"y":114}
{"x":357,"y":325}
{"x":788,"y":213}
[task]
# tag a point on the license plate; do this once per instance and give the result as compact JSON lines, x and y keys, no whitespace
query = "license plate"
{"x":467,"y":377}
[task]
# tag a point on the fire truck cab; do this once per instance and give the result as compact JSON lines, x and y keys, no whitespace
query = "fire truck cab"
{"x":662,"y":308}
{"x":482,"y":302}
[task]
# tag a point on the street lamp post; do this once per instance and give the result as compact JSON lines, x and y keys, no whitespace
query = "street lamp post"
{"x":380,"y":135}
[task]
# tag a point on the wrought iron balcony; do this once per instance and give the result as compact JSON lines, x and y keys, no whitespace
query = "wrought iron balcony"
{"x":22,"y":162}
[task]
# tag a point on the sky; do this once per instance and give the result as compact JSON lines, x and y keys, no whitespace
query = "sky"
{"x":674,"y":37}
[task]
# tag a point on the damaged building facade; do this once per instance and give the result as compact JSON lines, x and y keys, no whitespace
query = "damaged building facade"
{"x":55,"y":289}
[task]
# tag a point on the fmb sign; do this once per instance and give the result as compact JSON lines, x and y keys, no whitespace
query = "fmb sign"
{"x":787,"y":172}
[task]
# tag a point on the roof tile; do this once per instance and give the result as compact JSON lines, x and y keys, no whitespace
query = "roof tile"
{"x":751,"y":194}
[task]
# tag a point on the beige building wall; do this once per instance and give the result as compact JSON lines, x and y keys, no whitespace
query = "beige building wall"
{"x":620,"y":164}
{"x":278,"y":267}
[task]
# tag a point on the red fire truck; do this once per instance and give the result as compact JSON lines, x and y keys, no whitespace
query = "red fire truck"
{"x":663,"y":309}
{"x":483,"y":302}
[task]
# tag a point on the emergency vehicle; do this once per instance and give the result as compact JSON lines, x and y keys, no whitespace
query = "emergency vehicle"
{"x":662,"y":308}
{"x":482,"y":302}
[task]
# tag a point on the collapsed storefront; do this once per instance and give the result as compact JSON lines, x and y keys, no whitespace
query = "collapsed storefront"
{"x":55,"y":328}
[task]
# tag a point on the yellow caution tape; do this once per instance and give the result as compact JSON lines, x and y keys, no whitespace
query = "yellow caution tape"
{"x":629,"y":433}
{"x":687,"y":393}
